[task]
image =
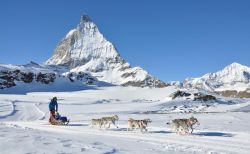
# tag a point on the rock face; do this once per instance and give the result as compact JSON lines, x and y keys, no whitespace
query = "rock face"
{"x":179,"y":93}
{"x":196,"y":96}
{"x":85,"y":49}
{"x":203,"y":97}
{"x":45,"y":78}
{"x":81,"y":76}
{"x":234,"y":77}
{"x":8,"y":78}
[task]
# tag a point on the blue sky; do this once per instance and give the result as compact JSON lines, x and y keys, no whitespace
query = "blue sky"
{"x":170,"y":39}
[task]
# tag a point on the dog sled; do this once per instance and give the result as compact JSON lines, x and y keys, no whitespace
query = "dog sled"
{"x":58,"y":120}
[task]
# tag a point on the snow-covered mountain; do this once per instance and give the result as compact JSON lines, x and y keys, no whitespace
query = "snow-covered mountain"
{"x":84,"y":57}
{"x":85,"y":49}
{"x":234,"y":77}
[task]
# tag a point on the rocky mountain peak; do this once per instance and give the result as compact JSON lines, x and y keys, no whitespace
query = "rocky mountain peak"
{"x":83,"y":44}
{"x":85,"y":49}
{"x":85,"y":18}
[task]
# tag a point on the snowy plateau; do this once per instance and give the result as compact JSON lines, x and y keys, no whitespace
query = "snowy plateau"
{"x":91,"y":80}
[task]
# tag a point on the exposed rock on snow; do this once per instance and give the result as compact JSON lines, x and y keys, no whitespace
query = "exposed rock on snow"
{"x":179,"y":94}
{"x":81,"y":76}
{"x":85,"y":49}
{"x":12,"y":75}
{"x":203,"y":97}
{"x":9,"y":77}
{"x":195,"y":96}
{"x":45,"y":78}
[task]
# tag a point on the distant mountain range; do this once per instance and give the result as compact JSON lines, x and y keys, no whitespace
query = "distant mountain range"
{"x":85,"y":57}
{"x":233,"y":81}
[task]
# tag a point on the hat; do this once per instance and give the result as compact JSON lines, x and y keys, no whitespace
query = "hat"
{"x":54,"y":98}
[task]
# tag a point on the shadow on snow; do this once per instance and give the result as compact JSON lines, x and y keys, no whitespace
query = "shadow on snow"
{"x":213,"y":134}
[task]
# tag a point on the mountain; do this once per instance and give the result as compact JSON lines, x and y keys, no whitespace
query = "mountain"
{"x":85,"y":49}
{"x":233,"y":80}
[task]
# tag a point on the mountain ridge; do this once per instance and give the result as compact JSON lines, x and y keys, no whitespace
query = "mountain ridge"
{"x":233,"y":77}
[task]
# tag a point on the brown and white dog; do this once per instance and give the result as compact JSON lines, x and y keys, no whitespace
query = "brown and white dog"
{"x":105,"y":121}
{"x":183,"y":126}
{"x":110,"y":120}
{"x":140,"y":124}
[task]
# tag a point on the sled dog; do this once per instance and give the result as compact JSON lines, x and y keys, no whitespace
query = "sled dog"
{"x":97,"y":122}
{"x":110,"y":120}
{"x":140,"y":124}
{"x":183,"y":126}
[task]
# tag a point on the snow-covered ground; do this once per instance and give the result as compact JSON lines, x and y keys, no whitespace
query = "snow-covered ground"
{"x":24,"y":124}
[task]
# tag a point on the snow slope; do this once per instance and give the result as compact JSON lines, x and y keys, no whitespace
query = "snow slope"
{"x":223,"y":131}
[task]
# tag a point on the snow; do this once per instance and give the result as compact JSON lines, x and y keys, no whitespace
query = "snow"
{"x":70,"y":33}
{"x":6,"y":108}
{"x":237,"y":86}
{"x":24,"y":121}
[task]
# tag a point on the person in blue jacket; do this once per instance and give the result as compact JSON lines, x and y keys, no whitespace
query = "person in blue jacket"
{"x":53,"y":108}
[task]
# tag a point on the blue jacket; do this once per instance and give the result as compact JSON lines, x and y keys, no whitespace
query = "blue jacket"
{"x":53,"y":105}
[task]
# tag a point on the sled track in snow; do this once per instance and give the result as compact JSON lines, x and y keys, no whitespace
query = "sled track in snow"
{"x":12,"y":109}
{"x":23,"y":111}
{"x":239,"y":144}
